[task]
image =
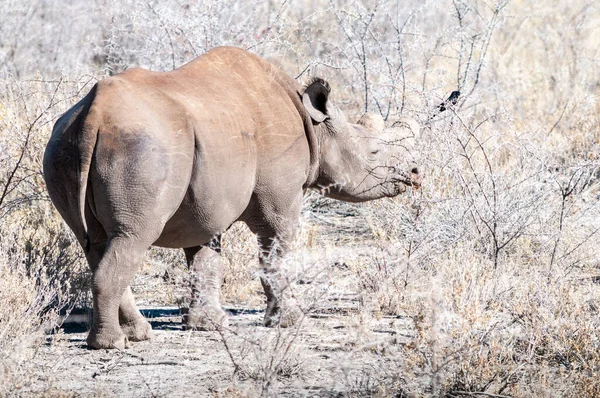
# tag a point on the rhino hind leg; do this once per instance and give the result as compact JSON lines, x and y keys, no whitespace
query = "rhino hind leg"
{"x":112,"y":295}
{"x":131,"y":320}
{"x":205,"y":312}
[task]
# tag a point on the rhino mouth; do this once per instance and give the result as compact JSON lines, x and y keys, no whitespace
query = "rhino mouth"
{"x":412,"y":179}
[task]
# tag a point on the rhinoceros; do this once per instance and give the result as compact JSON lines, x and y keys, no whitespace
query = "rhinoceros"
{"x":173,"y":159}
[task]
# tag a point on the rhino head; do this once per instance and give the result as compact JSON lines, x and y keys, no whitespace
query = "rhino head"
{"x":362,"y":161}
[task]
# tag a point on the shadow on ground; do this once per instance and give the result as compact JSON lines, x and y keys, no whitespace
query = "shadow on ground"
{"x":79,"y":320}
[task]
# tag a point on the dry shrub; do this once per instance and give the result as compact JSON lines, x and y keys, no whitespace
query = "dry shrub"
{"x":267,"y":357}
{"x":16,"y":296}
{"x":37,"y":281}
{"x":41,"y":265}
{"x":510,"y":331}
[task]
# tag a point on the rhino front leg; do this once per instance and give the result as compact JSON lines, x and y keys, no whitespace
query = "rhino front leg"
{"x":205,"y":311}
{"x":282,"y":308}
{"x":273,"y":216}
{"x":275,"y":236}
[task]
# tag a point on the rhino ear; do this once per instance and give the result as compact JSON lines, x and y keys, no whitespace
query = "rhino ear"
{"x":315,"y":99}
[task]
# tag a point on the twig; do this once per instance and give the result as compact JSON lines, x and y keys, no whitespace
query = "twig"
{"x":477,"y":393}
{"x":559,"y":119}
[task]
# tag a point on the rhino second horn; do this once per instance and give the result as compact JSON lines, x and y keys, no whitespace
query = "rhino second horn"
{"x":409,"y":123}
{"x":373,"y":122}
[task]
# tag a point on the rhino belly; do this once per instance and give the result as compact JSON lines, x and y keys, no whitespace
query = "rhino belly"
{"x":206,"y":212}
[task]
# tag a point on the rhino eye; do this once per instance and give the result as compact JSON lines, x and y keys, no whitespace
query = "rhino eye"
{"x":374,"y":151}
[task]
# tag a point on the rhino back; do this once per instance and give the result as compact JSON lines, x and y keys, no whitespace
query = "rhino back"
{"x":242,"y":95}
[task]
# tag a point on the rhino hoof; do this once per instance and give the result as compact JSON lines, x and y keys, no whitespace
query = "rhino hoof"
{"x":138,"y":330}
{"x":99,"y":340}
{"x":205,"y":319}
{"x":285,"y":318}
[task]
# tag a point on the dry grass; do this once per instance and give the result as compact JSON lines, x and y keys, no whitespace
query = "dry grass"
{"x":494,"y":262}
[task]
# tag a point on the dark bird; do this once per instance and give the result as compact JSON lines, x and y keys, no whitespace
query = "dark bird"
{"x":452,"y":100}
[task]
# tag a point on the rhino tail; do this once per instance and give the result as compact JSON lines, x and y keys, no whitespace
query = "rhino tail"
{"x":86,"y":143}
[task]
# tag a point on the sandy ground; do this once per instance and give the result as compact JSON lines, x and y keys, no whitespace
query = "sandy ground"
{"x":330,"y":355}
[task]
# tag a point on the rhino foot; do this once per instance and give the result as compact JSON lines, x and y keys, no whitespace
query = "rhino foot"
{"x":138,"y":330}
{"x":205,"y":318}
{"x":108,"y":339}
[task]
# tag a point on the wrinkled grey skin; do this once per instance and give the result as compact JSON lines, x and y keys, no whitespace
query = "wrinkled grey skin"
{"x":173,"y":159}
